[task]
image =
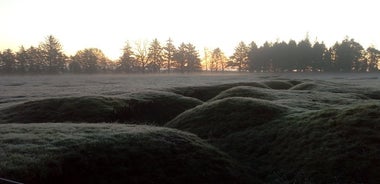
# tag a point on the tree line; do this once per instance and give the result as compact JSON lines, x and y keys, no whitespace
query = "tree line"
{"x":152,"y":57}
{"x":144,"y":57}
{"x":280,"y":56}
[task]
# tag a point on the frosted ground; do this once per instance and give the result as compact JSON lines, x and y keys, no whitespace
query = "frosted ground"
{"x":181,"y":128}
{"x":17,"y":89}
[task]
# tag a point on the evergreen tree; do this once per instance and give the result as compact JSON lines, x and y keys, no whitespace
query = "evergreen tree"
{"x":348,"y":55}
{"x":318,"y":52}
{"x":252,"y":54}
{"x":35,"y":60}
{"x":7,"y":61}
{"x":240,"y":57}
{"x":22,"y":59}
{"x":181,"y":57}
{"x":53,"y":55}
{"x":218,"y":60}
{"x":304,"y":55}
{"x":127,"y":62}
{"x":169,"y":52}
{"x":193,"y":61}
{"x":187,"y":58}
{"x":155,"y":56}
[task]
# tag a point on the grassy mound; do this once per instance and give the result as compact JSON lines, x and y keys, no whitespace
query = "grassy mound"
{"x":222,"y":117}
{"x":205,"y":93}
{"x":156,"y":107}
{"x":326,"y":146}
{"x":245,"y":91}
{"x":151,"y":106}
{"x":304,"y":86}
{"x":110,"y":153}
{"x":76,"y":109}
{"x":278,"y":84}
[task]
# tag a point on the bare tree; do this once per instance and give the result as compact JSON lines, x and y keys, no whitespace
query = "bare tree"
{"x":141,"y":53}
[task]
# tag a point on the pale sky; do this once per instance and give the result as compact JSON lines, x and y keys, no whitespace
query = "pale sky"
{"x":108,"y":24}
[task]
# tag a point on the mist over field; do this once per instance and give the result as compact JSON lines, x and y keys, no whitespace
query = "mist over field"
{"x":191,"y":128}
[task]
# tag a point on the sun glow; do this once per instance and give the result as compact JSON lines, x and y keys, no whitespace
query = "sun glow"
{"x":107,"y":25}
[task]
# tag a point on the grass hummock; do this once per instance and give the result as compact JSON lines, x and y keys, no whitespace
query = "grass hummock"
{"x":283,"y":131}
{"x":153,"y":107}
{"x":110,"y":153}
{"x":222,"y":117}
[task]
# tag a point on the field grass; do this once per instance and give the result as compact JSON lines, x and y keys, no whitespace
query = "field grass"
{"x":110,"y":153}
{"x":223,"y":117}
{"x":153,"y":107}
{"x":274,"y":131}
{"x":205,"y":93}
{"x":326,"y":146}
{"x":313,"y":132}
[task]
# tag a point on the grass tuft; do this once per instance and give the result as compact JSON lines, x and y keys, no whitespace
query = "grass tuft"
{"x":278,"y":84}
{"x":110,"y":153}
{"x":222,"y":117}
{"x":205,"y":93}
{"x":325,"y":146}
{"x":153,"y":107}
{"x":245,"y":91}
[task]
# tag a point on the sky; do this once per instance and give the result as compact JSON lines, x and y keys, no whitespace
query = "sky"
{"x":109,"y":24}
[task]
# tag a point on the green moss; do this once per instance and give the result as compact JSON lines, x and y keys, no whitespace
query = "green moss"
{"x":110,"y":153}
{"x":222,"y":117}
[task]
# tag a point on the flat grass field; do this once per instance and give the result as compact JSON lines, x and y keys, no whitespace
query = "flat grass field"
{"x":199,"y":128}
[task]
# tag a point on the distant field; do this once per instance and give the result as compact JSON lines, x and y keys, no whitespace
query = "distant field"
{"x":207,"y":128}
{"x":15,"y":89}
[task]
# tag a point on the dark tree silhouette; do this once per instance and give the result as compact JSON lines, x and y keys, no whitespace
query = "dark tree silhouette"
{"x":345,"y":56}
{"x":193,"y":61}
{"x":348,"y":55}
{"x":304,"y":61}
{"x":240,"y":57}
{"x":53,"y":55}
{"x":92,"y":60}
{"x":7,"y":61}
{"x":155,"y":56}
{"x":181,"y":57}
{"x":373,"y":57}
{"x":169,"y":52}
{"x":127,"y":62}
{"x":218,"y":60}
{"x":141,"y":55}
{"x":22,"y":60}
{"x":187,"y":58}
{"x":35,"y":60}
{"x":317,"y":56}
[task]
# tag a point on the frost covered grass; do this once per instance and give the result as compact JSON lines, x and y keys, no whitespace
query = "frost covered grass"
{"x":154,"y":107}
{"x":110,"y":153}
{"x":279,"y":130}
{"x":223,"y":117}
{"x":313,"y":132}
{"x":205,"y":93}
{"x":326,"y":146}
